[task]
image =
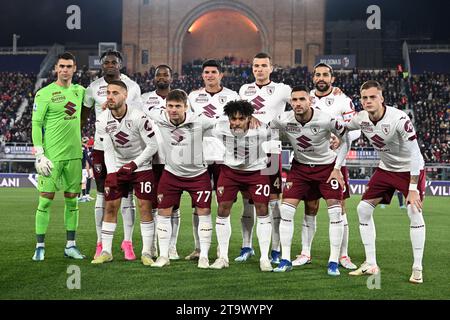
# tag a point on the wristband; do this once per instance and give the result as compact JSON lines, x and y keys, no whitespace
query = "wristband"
{"x":412,"y":187}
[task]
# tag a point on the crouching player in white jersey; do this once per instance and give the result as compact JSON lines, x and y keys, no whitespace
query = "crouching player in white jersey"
{"x":315,"y":170}
{"x":341,"y":107}
{"x":130,"y":144}
{"x":244,"y":169}
{"x":209,"y":101}
{"x":184,"y":170}
{"x":401,"y":167}
{"x":96,"y":97}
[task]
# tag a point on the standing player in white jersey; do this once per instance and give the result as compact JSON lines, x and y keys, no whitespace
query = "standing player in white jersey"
{"x":155,"y":101}
{"x":244,"y":162}
{"x":209,"y":101}
{"x":129,"y":141}
{"x":341,"y":107}
{"x":315,"y":171}
{"x":184,"y":170}
{"x":269,"y":99}
{"x":95,"y":98}
{"x":391,"y":133}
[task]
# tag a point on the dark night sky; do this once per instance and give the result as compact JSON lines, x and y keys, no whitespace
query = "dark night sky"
{"x":43,"y":22}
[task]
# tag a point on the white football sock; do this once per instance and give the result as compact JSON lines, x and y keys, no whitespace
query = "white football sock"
{"x":336,"y":232}
{"x":287,"y":229}
{"x":108,"y":229}
{"x":264,"y":233}
{"x":148,"y":234}
{"x":247,"y":223}
{"x":175,"y":228}
{"x":71,"y":243}
{"x":204,"y":234}
{"x":344,"y":244}
{"x":367,"y":231}
{"x":417,"y":234}
{"x":195,"y":229}
{"x":164,"y":231}
{"x":155,"y":237}
{"x":309,"y":228}
{"x":128,"y":210}
{"x":223,"y":231}
{"x":274,"y":212}
{"x":99,"y":209}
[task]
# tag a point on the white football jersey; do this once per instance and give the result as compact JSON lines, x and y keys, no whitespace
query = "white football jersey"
{"x":338,"y":106}
{"x":211,"y":105}
{"x":152,"y":100}
{"x":245,"y":152}
{"x":183,"y":144}
{"x":269,"y":100}
{"x":388,"y":136}
{"x":96,"y":96}
{"x":153,"y":103}
{"x":310,"y":141}
{"x":129,"y":139}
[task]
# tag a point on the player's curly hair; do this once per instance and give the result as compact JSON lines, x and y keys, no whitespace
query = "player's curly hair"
{"x":111,"y":52}
{"x":243,"y":107}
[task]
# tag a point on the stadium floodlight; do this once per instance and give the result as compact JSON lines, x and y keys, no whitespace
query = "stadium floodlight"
{"x":15,"y":37}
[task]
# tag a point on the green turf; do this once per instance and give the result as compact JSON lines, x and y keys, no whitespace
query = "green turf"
{"x":22,"y":278}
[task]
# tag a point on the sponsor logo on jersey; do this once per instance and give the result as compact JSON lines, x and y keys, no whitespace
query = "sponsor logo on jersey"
{"x":70,"y":110}
{"x":222,"y":99}
{"x":258,"y":103}
{"x":303,"y":142}
{"x":111,"y":127}
{"x":315,"y":129}
{"x":177,"y":136}
{"x":293,"y":127}
{"x":377,"y":141}
{"x":386,"y":128}
{"x":102,"y":91}
{"x":250,"y":91}
{"x":408,"y":126}
{"x":209,"y":111}
{"x":270,"y":90}
{"x":129,"y":124}
{"x":58,"y":98}
{"x":366,"y":126}
{"x":202,"y":98}
{"x":152,"y":101}
{"x":121,"y":138}
{"x":329,"y":101}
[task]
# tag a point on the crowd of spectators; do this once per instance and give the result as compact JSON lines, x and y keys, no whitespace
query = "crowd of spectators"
{"x":426,"y":97}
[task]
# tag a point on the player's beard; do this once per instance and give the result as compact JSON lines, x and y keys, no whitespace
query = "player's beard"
{"x":323,"y":87}
{"x":162,"y":85}
{"x":238,"y":132}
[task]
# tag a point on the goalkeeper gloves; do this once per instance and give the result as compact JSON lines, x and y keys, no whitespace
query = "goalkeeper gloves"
{"x":127,"y":169}
{"x":43,"y":165}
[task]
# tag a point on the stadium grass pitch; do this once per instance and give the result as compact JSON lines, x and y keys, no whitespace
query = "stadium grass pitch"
{"x":22,"y":278}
